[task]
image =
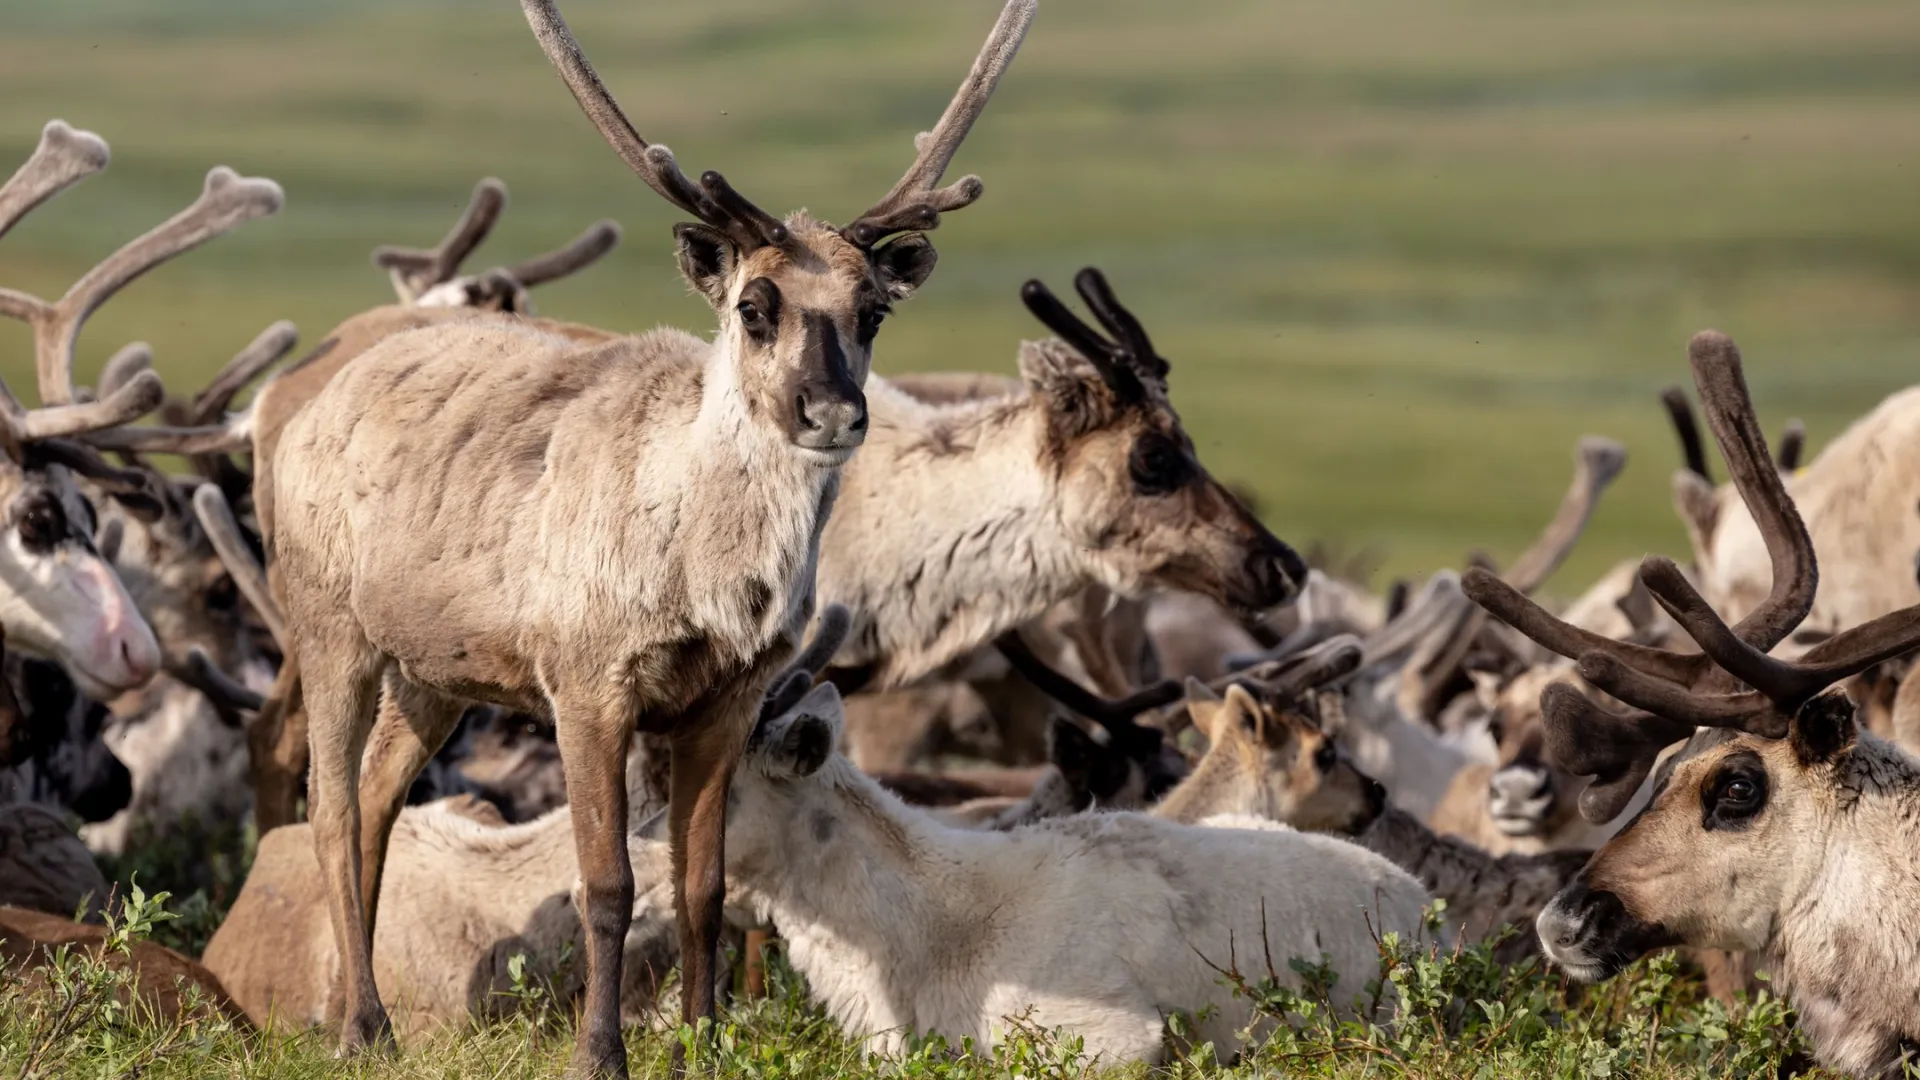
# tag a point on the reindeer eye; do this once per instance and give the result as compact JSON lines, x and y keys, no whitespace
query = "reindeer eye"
{"x":750,"y":316}
{"x":1157,"y":466}
{"x":870,"y":320}
{"x":1735,"y":795}
{"x":42,"y":524}
{"x":1325,"y":757}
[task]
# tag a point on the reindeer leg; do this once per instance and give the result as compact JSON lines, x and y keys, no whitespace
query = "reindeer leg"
{"x":594,"y":735}
{"x":707,"y":745}
{"x":277,"y":751}
{"x":344,"y":677}
{"x":412,"y":725}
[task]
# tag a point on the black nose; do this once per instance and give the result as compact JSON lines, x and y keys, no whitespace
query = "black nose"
{"x":830,"y":418}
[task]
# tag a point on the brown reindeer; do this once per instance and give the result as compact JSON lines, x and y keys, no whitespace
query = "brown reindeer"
{"x":1779,"y":828}
{"x":666,"y":496}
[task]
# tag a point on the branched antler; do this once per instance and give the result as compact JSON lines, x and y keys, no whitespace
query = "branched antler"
{"x":792,"y":684}
{"x":415,"y":270}
{"x":1127,"y":362}
{"x":1732,"y":682}
{"x":915,"y":203}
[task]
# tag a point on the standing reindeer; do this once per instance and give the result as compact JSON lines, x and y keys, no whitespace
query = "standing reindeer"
{"x":1779,"y":828}
{"x":613,"y":536}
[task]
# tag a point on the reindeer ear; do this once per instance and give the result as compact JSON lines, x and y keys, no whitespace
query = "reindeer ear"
{"x":1823,"y":729}
{"x":1077,"y":398}
{"x":798,"y":742}
{"x":706,"y":258}
{"x":905,"y":264}
{"x":1241,"y":703}
{"x":1698,"y":505}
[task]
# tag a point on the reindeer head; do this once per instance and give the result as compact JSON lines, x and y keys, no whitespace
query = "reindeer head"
{"x":1131,"y":491}
{"x":58,"y":598}
{"x":1528,"y":795}
{"x":1276,"y":749}
{"x":1706,"y":863}
{"x":799,"y":301}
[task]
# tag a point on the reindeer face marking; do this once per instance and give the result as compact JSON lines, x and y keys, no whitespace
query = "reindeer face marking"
{"x":1134,"y":493}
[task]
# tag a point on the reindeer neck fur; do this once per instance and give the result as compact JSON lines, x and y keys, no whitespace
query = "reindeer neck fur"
{"x":947,"y":533}
{"x":1845,"y":948}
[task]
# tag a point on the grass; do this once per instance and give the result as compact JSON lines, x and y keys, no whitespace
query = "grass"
{"x":1461,"y":1016}
{"x":1402,"y":254}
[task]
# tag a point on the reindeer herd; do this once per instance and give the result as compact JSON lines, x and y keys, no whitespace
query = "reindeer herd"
{"x":462,"y":583}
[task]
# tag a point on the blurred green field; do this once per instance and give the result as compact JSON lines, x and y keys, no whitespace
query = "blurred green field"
{"x":1402,"y":253}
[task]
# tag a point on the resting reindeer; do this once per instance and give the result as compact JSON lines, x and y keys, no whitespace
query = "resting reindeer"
{"x":1268,"y":760}
{"x":1104,"y":924}
{"x":62,"y":601}
{"x":1779,"y":828}
{"x":667,"y":496}
{"x":460,"y":899}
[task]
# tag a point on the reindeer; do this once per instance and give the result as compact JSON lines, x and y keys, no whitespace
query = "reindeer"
{"x":1268,"y":758}
{"x":59,"y":599}
{"x":169,"y":986}
{"x":962,"y":521}
{"x":444,"y":945}
{"x":430,"y":277}
{"x":951,"y":931}
{"x":1778,"y":814}
{"x":665,"y":592}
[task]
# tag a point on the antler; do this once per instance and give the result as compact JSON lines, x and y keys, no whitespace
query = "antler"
{"x":223,"y":532}
{"x":1793,"y":444}
{"x":201,"y":429}
{"x":415,"y":270}
{"x":64,"y":158}
{"x":585,"y":250}
{"x":1710,"y":688}
{"x":264,"y":351}
{"x":794,"y":682}
{"x":915,"y":203}
{"x":1597,"y":463}
{"x":1688,"y":429}
{"x":226,"y":201}
{"x":1125,"y":363}
{"x":712,"y":201}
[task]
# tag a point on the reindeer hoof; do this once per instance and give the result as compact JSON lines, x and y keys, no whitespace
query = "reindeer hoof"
{"x":597,"y":1057}
{"x":367,"y":1033}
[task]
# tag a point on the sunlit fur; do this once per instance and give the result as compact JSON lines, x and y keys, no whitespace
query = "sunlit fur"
{"x":1104,"y":924}
{"x":1274,"y":763}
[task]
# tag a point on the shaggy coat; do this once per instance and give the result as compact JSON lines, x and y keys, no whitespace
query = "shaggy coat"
{"x":904,"y":925}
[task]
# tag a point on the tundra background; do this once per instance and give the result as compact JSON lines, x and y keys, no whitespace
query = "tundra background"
{"x":1401,"y":253}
